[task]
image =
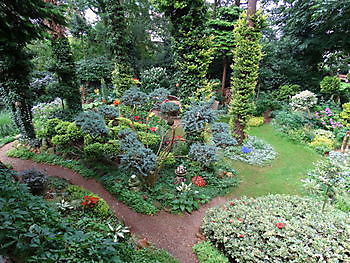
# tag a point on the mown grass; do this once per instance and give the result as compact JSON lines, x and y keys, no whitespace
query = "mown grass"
{"x":285,"y":173}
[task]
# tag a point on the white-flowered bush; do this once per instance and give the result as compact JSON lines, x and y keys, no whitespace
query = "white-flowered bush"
{"x":253,"y":151}
{"x":279,"y":228}
{"x":303,"y":100}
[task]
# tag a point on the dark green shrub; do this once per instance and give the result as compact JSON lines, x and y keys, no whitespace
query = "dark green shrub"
{"x":285,"y":92}
{"x":35,"y":180}
{"x":102,"y":150}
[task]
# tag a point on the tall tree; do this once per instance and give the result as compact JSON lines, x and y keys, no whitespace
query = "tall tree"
{"x":246,"y":57}
{"x":20,"y":23}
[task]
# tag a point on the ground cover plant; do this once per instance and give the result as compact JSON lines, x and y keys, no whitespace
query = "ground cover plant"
{"x":276,"y":228}
{"x":70,"y":224}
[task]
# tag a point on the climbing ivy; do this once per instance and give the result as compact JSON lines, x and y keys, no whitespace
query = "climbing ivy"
{"x":191,"y":43}
{"x":65,"y":71}
{"x":246,"y":56}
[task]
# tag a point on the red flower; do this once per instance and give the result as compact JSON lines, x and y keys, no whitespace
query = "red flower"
{"x":241,"y":235}
{"x":177,"y":85}
{"x":178,"y":138}
{"x":232,"y":203}
{"x":231,"y":220}
{"x":116,"y":102}
{"x":280,"y":225}
{"x":136,"y":118}
{"x":90,"y":201}
{"x":154,"y":129}
{"x":239,"y":219}
{"x":198,"y":181}
{"x":140,"y":122}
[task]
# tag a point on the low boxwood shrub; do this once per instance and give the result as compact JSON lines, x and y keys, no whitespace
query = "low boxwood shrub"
{"x":279,"y":228}
{"x":207,"y":253}
{"x":255,"y":121}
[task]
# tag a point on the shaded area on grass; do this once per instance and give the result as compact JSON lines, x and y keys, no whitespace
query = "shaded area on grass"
{"x":286,"y":171}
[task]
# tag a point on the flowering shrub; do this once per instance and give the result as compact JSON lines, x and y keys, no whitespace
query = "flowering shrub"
{"x":328,"y":119}
{"x":303,"y":100}
{"x":204,"y":154}
{"x":255,"y":121}
{"x":254,"y":151}
{"x":279,"y":228}
{"x":89,"y":201}
{"x":198,"y":181}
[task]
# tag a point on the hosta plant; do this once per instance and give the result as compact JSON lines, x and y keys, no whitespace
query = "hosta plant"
{"x":118,"y":232}
{"x":279,"y":228}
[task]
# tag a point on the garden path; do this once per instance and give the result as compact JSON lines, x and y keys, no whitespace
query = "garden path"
{"x":173,"y":233}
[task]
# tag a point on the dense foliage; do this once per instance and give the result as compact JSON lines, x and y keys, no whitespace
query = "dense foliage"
{"x":278,"y":228}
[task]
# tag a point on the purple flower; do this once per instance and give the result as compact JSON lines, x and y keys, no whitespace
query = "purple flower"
{"x":246,"y":149}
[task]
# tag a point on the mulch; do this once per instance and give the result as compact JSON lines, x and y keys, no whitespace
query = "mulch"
{"x":174,"y":233}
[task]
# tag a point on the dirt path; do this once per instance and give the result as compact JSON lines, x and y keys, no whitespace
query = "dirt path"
{"x":174,"y":233}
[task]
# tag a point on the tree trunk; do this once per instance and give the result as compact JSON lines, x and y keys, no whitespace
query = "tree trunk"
{"x":345,"y":143}
{"x":251,"y":11}
{"x":224,"y":75}
{"x":23,"y":116}
{"x":239,"y":131}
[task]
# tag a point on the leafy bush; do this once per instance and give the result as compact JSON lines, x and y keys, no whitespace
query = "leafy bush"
{"x":330,"y":178}
{"x":91,"y":123}
{"x":285,"y":92}
{"x":265,"y":102}
{"x":207,"y":253}
{"x":154,"y":78}
{"x":169,"y":109}
{"x":108,"y":112}
{"x":7,"y":125}
{"x":134,"y":97}
{"x":330,"y":84}
{"x":134,"y":154}
{"x":102,"y":150}
{"x":204,"y":154}
{"x":255,"y":121}
{"x":278,"y":228}
{"x":67,"y":132}
{"x":323,"y":142}
{"x":303,"y":100}
{"x":254,"y":151}
{"x":345,"y":114}
{"x":197,"y":116}
{"x":221,"y":135}
{"x":35,"y":180}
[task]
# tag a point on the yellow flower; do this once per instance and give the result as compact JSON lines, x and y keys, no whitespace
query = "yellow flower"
{"x":97,"y":91}
{"x":151,"y":114}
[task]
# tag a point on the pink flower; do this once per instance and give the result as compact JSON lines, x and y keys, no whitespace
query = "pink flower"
{"x":154,"y":129}
{"x":241,"y":235}
{"x":231,"y":220}
{"x":136,"y":118}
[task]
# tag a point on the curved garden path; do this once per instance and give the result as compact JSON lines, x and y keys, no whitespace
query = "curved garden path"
{"x":173,"y":233}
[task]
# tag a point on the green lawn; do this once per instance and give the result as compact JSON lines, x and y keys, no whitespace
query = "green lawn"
{"x":285,"y":173}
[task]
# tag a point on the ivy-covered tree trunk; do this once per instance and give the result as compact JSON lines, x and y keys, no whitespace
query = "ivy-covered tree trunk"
{"x":65,"y":70}
{"x":64,"y":65}
{"x":113,"y":16}
{"x":15,"y":70}
{"x":246,"y":57}
{"x":191,"y":44}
